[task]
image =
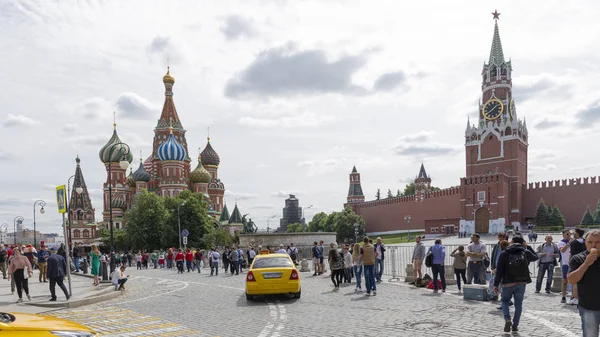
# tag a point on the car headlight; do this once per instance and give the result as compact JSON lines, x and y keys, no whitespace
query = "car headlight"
{"x":73,"y":333}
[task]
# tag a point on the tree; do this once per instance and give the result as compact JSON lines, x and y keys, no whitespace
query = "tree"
{"x":317,"y":223}
{"x":588,"y":218}
{"x":295,"y":228}
{"x":120,"y":237}
{"x":378,"y":195}
{"x":389,"y":195}
{"x":597,"y":213}
{"x":217,"y":237}
{"x":331,"y":222}
{"x":551,"y":216}
{"x":559,"y":219}
{"x":410,"y":189}
{"x":193,"y":218}
{"x":345,"y":221}
{"x":541,"y":215}
{"x":145,"y":221}
{"x":398,"y":194}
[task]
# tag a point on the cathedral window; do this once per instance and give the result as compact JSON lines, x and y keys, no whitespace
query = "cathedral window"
{"x":76,"y":233}
{"x":86,"y":233}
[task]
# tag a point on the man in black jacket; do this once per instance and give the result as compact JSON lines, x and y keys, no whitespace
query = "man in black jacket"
{"x":57,"y":269}
{"x":512,"y":271}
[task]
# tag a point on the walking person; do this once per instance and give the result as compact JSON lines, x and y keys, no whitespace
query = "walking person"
{"x":437,"y":268}
{"x":189,"y":258}
{"x":198,"y":258}
{"x":3,"y":259}
{"x":547,"y":252}
{"x":95,"y":256}
{"x":138,"y":260}
{"x":226,"y":259}
{"x":57,"y":269}
{"x":179,"y":259}
{"x":75,"y":258}
{"x":357,"y":265}
{"x":367,"y":255}
{"x":460,"y":265}
{"x":512,"y":271}
{"x":584,"y":270}
{"x":233,"y":261}
{"x":417,"y":260}
{"x":20,"y":270}
{"x":380,"y":250}
{"x":42,"y":258}
{"x":213,"y":257}
{"x":337,"y":265}
{"x":348,"y":265}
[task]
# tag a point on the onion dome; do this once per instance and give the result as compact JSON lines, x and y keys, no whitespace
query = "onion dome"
{"x":171,"y":149}
{"x":118,"y":202}
{"x":141,"y":174}
{"x":209,"y":156}
{"x":130,"y":179}
{"x":168,"y":78}
{"x":200,"y":174}
{"x":120,"y":151}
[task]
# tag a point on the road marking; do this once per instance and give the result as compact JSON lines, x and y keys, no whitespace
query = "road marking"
{"x":185,"y":285}
{"x":282,"y":318}
{"x":266,"y":331}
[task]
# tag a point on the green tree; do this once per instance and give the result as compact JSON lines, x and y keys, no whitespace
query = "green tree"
{"x":295,"y":228}
{"x":193,"y":217}
{"x":552,"y":220}
{"x":378,"y":195}
{"x":541,"y":214}
{"x":398,"y":194}
{"x":597,"y":213}
{"x":389,"y":194}
{"x":217,"y":237}
{"x":345,"y":221}
{"x":317,"y":223}
{"x":559,"y":219}
{"x":410,"y":189}
{"x":145,"y":221}
{"x":588,"y":218}
{"x":331,"y":222}
{"x":120,"y":237}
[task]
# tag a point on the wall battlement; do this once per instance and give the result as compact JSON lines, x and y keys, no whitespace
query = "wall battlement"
{"x":564,"y":183}
{"x":484,"y":179}
{"x":455,"y":190}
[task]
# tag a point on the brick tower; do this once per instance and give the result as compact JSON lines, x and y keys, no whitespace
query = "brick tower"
{"x":355,"y":192}
{"x":496,"y":147}
{"x":422,"y":184}
{"x":82,"y":216}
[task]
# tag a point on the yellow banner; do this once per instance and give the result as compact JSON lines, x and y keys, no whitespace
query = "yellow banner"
{"x":61,"y":199}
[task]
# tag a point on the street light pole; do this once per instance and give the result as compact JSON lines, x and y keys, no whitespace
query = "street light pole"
{"x":356,"y":232}
{"x":407,"y":220}
{"x":42,"y":203}
{"x":179,"y":222}
{"x":20,"y":220}
{"x":69,"y":223}
{"x":269,"y":218}
{"x":4,"y":229}
{"x":309,"y":207}
{"x":124,"y":150}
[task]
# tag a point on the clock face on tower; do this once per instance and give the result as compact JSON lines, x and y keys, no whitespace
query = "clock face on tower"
{"x":492,"y":109}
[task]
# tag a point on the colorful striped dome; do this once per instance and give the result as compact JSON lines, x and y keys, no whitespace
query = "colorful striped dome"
{"x":118,"y":202}
{"x":171,"y":150}
{"x":209,"y":156}
{"x":117,"y":150}
{"x":130,"y":180}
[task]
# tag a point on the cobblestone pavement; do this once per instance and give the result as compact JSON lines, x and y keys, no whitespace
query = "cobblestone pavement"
{"x":163,"y":303}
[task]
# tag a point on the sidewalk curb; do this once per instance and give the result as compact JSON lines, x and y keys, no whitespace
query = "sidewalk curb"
{"x":104,"y":295}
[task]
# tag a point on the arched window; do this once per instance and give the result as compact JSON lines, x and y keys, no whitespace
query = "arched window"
{"x":86,"y":233}
{"x":76,"y":233}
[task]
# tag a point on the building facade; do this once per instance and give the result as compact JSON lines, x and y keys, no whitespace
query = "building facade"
{"x":167,"y":171}
{"x":82,"y":227}
{"x":292,"y":213}
{"x":495,"y":192}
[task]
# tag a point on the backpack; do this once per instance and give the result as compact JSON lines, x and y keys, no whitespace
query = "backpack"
{"x":429,"y":260}
{"x":198,"y":256}
{"x":518,"y":267}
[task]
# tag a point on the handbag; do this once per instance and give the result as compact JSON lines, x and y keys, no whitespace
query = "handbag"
{"x":486,"y":261}
{"x":429,"y":260}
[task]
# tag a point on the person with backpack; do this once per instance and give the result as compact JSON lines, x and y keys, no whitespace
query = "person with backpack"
{"x":438,"y":255}
{"x":548,"y":252}
{"x":512,"y":271}
{"x":293,"y":253}
{"x":198,"y":258}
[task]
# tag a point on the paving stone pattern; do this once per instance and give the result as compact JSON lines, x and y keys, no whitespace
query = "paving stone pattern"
{"x":163,"y":303}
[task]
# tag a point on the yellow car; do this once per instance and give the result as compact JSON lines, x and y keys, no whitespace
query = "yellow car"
{"x":272,"y":274}
{"x":30,"y":325}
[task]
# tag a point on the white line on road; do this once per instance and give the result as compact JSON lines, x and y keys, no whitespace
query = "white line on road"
{"x":266,"y":332}
{"x":185,"y":285}
{"x":550,"y":325}
{"x":282,"y":318}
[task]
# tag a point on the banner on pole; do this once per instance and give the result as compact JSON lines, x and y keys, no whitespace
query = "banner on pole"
{"x":61,"y":199}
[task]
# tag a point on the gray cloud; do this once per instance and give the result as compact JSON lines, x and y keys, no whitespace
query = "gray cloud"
{"x":236,"y":26}
{"x":90,"y":140}
{"x":159,"y":44}
{"x":71,"y":129}
{"x":92,"y":108}
{"x":389,"y":81}
{"x":18,"y":120}
{"x":525,"y":92}
{"x":278,"y":72}
{"x":165,"y":47}
{"x":286,"y":194}
{"x":547,"y":124}
{"x":261,"y":207}
{"x":5,"y":156}
{"x":132,"y":105}
{"x":420,"y":145}
{"x":240,"y":196}
{"x":589,"y":116}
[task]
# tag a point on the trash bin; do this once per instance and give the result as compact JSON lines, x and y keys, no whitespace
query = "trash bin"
{"x":104,"y":271}
{"x":84,"y":266}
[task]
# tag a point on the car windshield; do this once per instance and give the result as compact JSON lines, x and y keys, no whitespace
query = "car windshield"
{"x":272,"y":262}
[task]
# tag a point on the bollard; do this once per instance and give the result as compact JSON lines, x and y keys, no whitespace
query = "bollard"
{"x":104,"y":271}
{"x":393,"y":264}
{"x":557,"y":280}
{"x":450,"y":279}
{"x":304,"y":266}
{"x":84,"y":266}
{"x":410,"y":277}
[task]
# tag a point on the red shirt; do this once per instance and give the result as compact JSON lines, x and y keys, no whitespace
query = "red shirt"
{"x":179,"y":256}
{"x":189,"y":257}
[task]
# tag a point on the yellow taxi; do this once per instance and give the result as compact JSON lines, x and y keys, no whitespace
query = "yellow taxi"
{"x":272,"y":274}
{"x":30,"y":325}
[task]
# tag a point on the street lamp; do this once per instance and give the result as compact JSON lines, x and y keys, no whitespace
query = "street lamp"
{"x":123,"y":163}
{"x":20,"y":220}
{"x":309,"y":207}
{"x":269,"y":218}
{"x":179,"y":222}
{"x":407,"y":220}
{"x":3,"y":229}
{"x":69,"y":218}
{"x":42,"y":203}
{"x":356,"y":232}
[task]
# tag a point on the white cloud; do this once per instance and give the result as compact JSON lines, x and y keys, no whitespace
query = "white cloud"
{"x":19,"y":120}
{"x":240,"y":196}
{"x":286,"y":194}
{"x":309,"y":120}
{"x":420,"y":145}
{"x":132,"y":105}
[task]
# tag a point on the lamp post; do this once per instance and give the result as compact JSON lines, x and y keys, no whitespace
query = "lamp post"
{"x":179,"y":222}
{"x":42,"y":203}
{"x":20,"y":220}
{"x":4,"y":230}
{"x":124,"y":150}
{"x":356,"y":232}
{"x":269,"y":218}
{"x":407,"y":220}
{"x":303,"y":209}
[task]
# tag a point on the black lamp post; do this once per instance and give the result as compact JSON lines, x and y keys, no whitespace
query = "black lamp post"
{"x":124,"y":150}
{"x":20,"y":220}
{"x":407,"y":220}
{"x":356,"y":232}
{"x":42,"y":203}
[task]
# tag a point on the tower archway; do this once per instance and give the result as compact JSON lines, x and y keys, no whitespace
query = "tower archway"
{"x":482,"y":220}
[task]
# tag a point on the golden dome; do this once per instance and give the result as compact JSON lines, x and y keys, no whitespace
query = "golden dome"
{"x":168,"y":78}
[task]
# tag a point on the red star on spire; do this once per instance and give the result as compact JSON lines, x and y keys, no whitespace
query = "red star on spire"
{"x":496,"y":14}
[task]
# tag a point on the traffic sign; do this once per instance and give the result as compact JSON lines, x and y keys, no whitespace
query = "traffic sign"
{"x":185,"y":240}
{"x":185,"y":233}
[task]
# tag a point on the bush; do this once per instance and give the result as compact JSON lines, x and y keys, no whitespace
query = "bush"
{"x":549,"y":228}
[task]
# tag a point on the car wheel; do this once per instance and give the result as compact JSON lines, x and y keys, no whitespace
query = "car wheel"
{"x":249,"y":297}
{"x":297,"y":295}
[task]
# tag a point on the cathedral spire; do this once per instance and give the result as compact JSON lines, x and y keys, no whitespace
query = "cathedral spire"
{"x":422,"y":173}
{"x":81,"y":204}
{"x":496,"y":53}
{"x":169,"y":112}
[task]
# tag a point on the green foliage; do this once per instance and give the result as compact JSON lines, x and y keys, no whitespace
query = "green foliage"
{"x":295,"y":227}
{"x":541,"y":214}
{"x":331,"y":222}
{"x":217,"y":237}
{"x":193,"y":218}
{"x":317,"y":223}
{"x":120,"y":237}
{"x":378,"y":195}
{"x":588,"y":218}
{"x":597,"y":213}
{"x":389,"y":194}
{"x":410,"y":189}
{"x":144,"y":221}
{"x":555,"y":217}
{"x":344,"y":228}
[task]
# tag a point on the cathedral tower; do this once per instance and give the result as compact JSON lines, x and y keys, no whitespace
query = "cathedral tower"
{"x":211,"y":160}
{"x":82,"y":216}
{"x":422,"y":184}
{"x":355,"y":192}
{"x":172,"y":157}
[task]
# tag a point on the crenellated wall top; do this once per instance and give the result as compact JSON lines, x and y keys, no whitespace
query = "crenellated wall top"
{"x":564,"y":182}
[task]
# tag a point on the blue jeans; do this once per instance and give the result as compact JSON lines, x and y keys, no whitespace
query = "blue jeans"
{"x":357,"y":274}
{"x":76,"y":262}
{"x":518,"y":291}
{"x":544,"y":267}
{"x":590,"y":322}
{"x":379,"y":268}
{"x":370,"y":278}
{"x":438,"y":269}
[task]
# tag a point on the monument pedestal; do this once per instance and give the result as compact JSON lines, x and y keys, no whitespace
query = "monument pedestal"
{"x":557,"y":280}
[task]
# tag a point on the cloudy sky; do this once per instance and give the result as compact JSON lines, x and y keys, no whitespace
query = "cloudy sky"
{"x":295,"y":92}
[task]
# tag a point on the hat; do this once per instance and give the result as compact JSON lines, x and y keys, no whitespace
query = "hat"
{"x":52,"y":249}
